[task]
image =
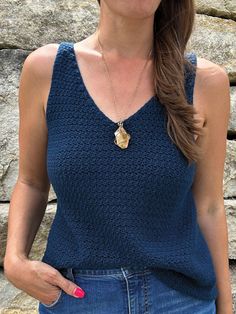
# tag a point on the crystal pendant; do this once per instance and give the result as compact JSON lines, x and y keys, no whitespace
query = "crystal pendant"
{"x":121,"y":136}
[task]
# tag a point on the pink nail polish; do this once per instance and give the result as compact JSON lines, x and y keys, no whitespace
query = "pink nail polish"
{"x":78,"y":292}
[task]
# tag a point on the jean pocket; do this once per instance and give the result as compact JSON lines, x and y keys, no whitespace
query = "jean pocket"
{"x":56,"y":302}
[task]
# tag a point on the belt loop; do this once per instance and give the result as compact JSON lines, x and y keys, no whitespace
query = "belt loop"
{"x":125,"y":271}
{"x":70,"y":274}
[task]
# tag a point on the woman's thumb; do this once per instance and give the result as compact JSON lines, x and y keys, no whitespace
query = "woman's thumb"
{"x":70,"y":287}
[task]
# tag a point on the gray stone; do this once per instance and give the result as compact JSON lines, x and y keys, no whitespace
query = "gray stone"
{"x":28,"y":24}
{"x":13,"y":300}
{"x":11,"y":66}
{"x":213,"y":38}
{"x":230,"y":208}
{"x":220,"y":8}
{"x":232,"y":121}
{"x":229,"y":184}
{"x":39,"y":244}
{"x":232,"y":268}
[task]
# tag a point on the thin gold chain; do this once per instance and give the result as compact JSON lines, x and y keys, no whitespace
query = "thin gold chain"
{"x":109,"y":77}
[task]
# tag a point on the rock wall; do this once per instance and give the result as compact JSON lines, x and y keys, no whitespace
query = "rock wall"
{"x":25,"y":25}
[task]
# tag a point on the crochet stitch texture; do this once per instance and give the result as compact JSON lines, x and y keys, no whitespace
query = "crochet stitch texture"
{"x":115,"y":207}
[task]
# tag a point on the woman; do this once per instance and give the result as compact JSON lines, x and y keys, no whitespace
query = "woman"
{"x":109,"y":121}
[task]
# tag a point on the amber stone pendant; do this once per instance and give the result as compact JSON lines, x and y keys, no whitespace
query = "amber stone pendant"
{"x":121,"y":136}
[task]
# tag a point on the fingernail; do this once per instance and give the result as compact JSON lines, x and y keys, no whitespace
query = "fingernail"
{"x":78,"y":292}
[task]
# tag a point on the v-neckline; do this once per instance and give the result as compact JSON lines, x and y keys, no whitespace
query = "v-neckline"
{"x":96,"y":107}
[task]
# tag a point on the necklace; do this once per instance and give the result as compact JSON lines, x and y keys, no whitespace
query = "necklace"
{"x":122,"y":137}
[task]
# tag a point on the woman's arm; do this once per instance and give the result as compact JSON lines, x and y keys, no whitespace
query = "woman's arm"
{"x":30,"y":193}
{"x":212,"y":94}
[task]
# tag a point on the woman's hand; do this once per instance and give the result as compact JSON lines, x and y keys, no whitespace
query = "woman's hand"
{"x":40,"y":280}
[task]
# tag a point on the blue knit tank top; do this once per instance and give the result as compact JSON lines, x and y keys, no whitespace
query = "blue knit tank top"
{"x":121,"y":207}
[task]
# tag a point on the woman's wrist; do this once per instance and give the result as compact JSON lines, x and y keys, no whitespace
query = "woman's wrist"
{"x":11,"y":262}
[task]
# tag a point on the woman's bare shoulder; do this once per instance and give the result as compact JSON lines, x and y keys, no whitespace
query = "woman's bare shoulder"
{"x":38,"y":68}
{"x":40,"y":61}
{"x":211,"y":80}
{"x":209,"y":72}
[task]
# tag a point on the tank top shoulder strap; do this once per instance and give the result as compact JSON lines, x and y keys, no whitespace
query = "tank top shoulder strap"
{"x":62,"y":73}
{"x":190,"y":75}
{"x":63,"y":56}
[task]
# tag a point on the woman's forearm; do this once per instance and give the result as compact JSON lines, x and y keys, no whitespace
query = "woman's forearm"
{"x":26,"y":211}
{"x":215,"y":231}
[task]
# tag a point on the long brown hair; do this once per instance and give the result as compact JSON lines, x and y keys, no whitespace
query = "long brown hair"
{"x":173,"y":25}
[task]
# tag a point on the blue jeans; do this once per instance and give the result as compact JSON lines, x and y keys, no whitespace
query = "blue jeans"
{"x":124,"y":291}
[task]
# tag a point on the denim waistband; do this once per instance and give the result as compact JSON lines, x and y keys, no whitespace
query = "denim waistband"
{"x":127,"y":270}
